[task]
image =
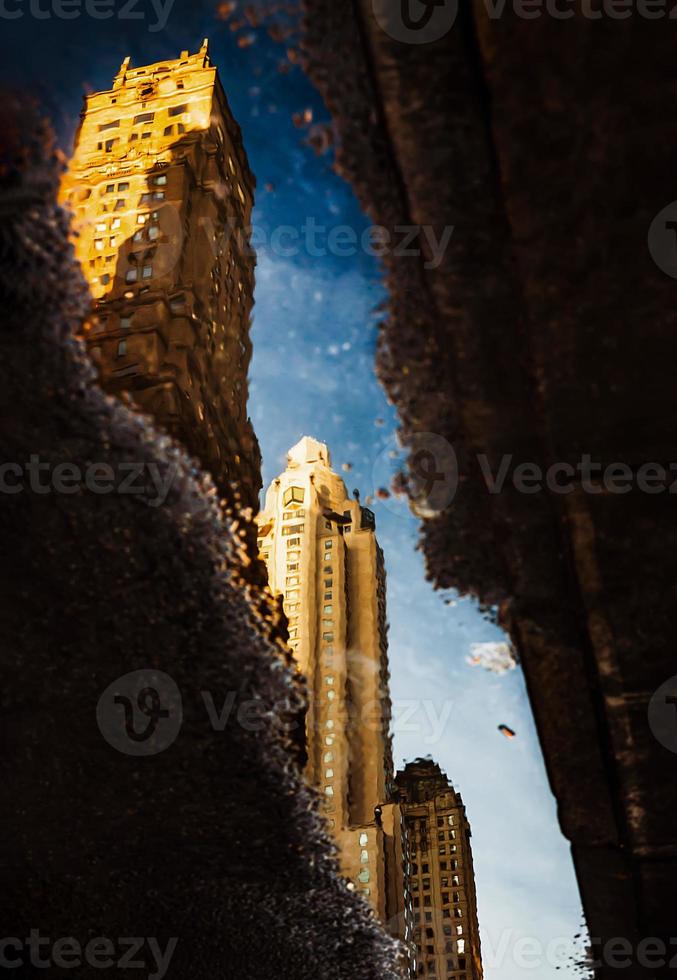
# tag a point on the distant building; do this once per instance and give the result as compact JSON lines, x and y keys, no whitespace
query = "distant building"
{"x":161,"y":194}
{"x":442,"y":876}
{"x":323,"y":558}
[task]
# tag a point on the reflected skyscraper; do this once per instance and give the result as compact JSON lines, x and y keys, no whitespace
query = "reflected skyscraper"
{"x":323,"y":558}
{"x":161,"y":195}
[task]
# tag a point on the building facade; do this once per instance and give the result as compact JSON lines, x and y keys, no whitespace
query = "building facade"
{"x":161,"y":195}
{"x":320,"y":548}
{"x":442,"y":877}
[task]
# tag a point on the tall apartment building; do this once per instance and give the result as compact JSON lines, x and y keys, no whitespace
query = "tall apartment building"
{"x":161,"y":195}
{"x":442,"y":877}
{"x":323,"y":558}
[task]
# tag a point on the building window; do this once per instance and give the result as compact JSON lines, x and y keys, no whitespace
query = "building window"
{"x":177,"y":110}
{"x":115,"y":124}
{"x":144,"y":117}
{"x":293,"y":529}
{"x":122,"y":348}
{"x":364,"y":857}
{"x":98,"y":244}
{"x":124,"y":186}
{"x":328,"y":610}
{"x":328,"y":790}
{"x":160,"y":180}
{"x":119,"y":204}
{"x":460,"y":945}
{"x":364,"y":839}
{"x":328,"y":757}
{"x":364,"y":876}
{"x":131,"y":275}
{"x":105,"y":279}
{"x":293,"y":495}
{"x":110,"y":144}
{"x":147,"y":272}
{"x":328,"y":773}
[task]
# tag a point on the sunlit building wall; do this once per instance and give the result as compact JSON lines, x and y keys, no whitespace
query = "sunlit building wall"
{"x":161,"y":195}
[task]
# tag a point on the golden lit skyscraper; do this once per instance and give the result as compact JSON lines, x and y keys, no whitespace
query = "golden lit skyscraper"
{"x":161,"y":194}
{"x":322,"y":556}
{"x":442,"y":876}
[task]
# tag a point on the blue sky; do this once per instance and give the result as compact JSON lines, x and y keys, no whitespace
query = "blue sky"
{"x":314,"y":335}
